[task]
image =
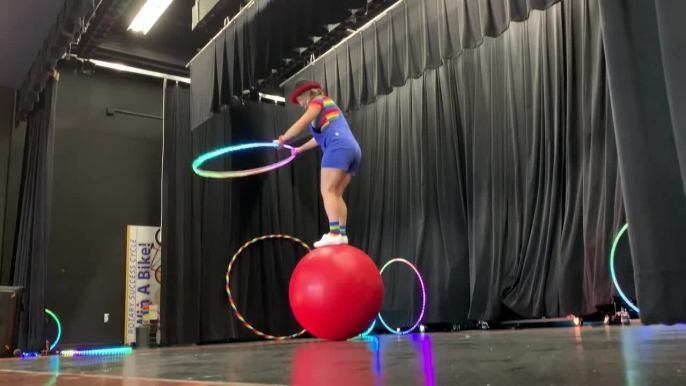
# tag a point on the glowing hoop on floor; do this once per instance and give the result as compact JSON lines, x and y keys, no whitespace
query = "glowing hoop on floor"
{"x":612,"y":267}
{"x":59,"y":328}
{"x":228,"y":288}
{"x":239,"y":173}
{"x":369,"y":330}
{"x":421,"y":282}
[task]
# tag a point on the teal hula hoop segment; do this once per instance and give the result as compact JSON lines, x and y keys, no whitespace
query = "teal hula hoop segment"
{"x":612,"y":268}
{"x":59,"y":328}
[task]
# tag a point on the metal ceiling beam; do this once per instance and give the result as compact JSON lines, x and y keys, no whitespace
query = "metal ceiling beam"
{"x":299,"y":59}
{"x":359,"y":30}
{"x":106,"y":16}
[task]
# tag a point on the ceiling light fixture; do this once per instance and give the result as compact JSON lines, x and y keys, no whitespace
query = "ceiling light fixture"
{"x":148,"y":15}
{"x":134,"y":70}
{"x":140,"y":71}
{"x":274,"y":98}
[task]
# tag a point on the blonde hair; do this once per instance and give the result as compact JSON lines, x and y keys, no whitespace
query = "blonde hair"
{"x":311,"y":94}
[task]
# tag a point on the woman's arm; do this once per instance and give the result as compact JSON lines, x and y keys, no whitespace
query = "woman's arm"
{"x":311,"y":144}
{"x":312,"y":112}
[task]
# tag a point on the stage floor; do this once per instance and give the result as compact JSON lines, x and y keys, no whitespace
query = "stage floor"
{"x":597,"y":355}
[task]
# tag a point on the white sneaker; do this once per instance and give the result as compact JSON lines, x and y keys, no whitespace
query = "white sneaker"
{"x":345,"y":240}
{"x":328,"y":239}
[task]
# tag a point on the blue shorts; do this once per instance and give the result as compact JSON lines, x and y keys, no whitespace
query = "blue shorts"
{"x":347,"y":159}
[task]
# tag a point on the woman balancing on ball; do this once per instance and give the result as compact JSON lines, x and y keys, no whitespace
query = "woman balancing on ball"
{"x":342,"y":153}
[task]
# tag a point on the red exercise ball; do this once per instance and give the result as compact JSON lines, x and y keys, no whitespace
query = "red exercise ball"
{"x":336,"y":292}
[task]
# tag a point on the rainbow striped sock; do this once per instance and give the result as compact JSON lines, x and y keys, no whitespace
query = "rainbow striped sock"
{"x":343,"y":232}
{"x":334,"y":228}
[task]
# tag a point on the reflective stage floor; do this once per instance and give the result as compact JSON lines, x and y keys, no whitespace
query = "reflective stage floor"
{"x":596,"y":355}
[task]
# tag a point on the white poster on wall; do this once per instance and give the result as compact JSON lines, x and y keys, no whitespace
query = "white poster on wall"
{"x":143,"y":276}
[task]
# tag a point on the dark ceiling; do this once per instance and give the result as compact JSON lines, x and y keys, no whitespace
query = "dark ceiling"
{"x":167,"y":47}
{"x":23,"y":27}
{"x":171,"y":43}
{"x":305,"y":28}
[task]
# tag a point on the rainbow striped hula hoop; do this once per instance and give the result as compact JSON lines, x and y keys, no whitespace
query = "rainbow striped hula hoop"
{"x":239,"y":173}
{"x":228,"y":287}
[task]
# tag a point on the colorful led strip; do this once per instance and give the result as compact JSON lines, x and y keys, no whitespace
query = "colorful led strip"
{"x":59,"y":328}
{"x":97,"y":352}
{"x":612,"y":267}
{"x":228,"y":287}
{"x":421,"y":282}
{"x":240,"y":173}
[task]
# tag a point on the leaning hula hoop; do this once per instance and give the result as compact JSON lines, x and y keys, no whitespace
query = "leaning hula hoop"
{"x":612,"y":268}
{"x":369,"y":330}
{"x":59,"y":328}
{"x":228,"y":287}
{"x":421,"y":315}
{"x":239,"y":173}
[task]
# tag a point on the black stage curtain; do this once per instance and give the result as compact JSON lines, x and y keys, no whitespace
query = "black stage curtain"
{"x":646,"y":60}
{"x":205,"y":221}
{"x":526,"y":203}
{"x":416,"y":35}
{"x":496,"y":174}
{"x":256,"y":41}
{"x":33,"y":231}
{"x":228,"y":213}
{"x":181,"y":280}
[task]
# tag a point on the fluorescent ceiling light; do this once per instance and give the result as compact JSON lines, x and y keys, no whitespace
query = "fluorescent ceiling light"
{"x":125,"y":68}
{"x":148,"y":15}
{"x":274,"y":98}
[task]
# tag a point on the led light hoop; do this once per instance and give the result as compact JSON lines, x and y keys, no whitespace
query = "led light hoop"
{"x":228,"y":288}
{"x":97,"y":352}
{"x":421,"y":282}
{"x":239,"y":173}
{"x":369,"y":330}
{"x":59,"y":328}
{"x":612,"y":267}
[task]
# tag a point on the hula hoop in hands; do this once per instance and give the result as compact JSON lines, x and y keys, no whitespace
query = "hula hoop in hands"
{"x":421,"y":315}
{"x":612,"y":268}
{"x":240,"y":173}
{"x":228,"y":287}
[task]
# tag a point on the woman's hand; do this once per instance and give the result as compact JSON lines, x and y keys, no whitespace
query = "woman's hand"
{"x":311,"y":144}
{"x":279,"y":142}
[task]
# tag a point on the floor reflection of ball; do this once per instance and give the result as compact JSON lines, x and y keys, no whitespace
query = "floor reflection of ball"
{"x":335,"y":364}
